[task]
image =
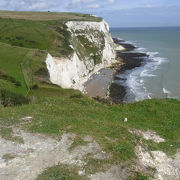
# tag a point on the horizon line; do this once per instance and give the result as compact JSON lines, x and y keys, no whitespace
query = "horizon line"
{"x":177,"y":26}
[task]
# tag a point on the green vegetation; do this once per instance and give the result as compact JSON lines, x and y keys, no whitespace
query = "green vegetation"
{"x":87,"y":49}
{"x":60,"y":172}
{"x":18,"y":67}
{"x":50,"y":36}
{"x":44,"y":16}
{"x":138,"y":176}
{"x":8,"y":157}
{"x":25,"y":40}
{"x":55,"y":110}
{"x":78,"y":141}
{"x":7,"y":134}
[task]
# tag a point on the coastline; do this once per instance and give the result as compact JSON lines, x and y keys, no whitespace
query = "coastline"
{"x":105,"y":83}
{"x":98,"y":84}
{"x":131,"y":58}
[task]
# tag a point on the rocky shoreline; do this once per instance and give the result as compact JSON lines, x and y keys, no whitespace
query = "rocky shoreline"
{"x":131,"y":59}
{"x":104,"y":84}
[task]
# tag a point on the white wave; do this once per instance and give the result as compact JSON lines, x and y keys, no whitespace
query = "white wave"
{"x":120,"y":39}
{"x":135,"y":79}
{"x":146,"y":73}
{"x":141,"y":49}
{"x":152,"y":54}
{"x":165,"y":91}
{"x":136,"y":90}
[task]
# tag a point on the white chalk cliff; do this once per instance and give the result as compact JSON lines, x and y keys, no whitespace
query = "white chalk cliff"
{"x":73,"y":71}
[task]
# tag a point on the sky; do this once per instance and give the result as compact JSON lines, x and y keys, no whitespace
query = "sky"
{"x":118,"y":13}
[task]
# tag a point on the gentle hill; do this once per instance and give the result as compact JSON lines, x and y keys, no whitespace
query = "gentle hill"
{"x":51,"y":36}
{"x":45,"y":16}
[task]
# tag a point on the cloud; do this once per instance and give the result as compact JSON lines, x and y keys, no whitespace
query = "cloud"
{"x":82,"y":1}
{"x":54,"y":5}
{"x":28,"y":4}
{"x":89,"y":4}
{"x":111,"y":1}
{"x":129,"y":12}
{"x":93,"y":6}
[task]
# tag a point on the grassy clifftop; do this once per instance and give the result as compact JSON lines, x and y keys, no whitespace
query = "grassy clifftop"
{"x":44,"y":16}
{"x":51,"y":36}
{"x":25,"y":40}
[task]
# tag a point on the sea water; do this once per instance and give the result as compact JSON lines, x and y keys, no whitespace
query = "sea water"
{"x":159,"y":76}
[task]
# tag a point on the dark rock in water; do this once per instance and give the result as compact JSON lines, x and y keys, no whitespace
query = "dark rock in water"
{"x":117,"y":40}
{"x":131,"y":59}
{"x":131,"y":54}
{"x":119,"y":78}
{"x":117,"y":93}
{"x":130,"y":63}
{"x":127,"y":46}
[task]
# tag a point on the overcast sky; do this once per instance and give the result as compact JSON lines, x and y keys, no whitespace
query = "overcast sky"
{"x":118,"y":13}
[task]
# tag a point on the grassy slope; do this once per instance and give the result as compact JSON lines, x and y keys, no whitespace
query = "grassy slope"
{"x":11,"y":61}
{"x":63,"y":108}
{"x":44,"y":16}
{"x":47,"y":35}
{"x":57,"y":110}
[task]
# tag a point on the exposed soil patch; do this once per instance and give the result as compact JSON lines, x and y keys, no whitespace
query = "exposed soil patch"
{"x":148,"y":135}
{"x":114,"y":173}
{"x":40,"y":152}
{"x":166,"y":168}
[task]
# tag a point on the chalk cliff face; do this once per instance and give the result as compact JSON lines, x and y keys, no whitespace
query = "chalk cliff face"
{"x":93,"y":49}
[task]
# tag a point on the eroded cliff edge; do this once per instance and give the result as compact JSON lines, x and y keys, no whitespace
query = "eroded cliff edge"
{"x":93,"y":49}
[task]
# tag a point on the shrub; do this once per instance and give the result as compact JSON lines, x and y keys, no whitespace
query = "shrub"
{"x":8,"y":98}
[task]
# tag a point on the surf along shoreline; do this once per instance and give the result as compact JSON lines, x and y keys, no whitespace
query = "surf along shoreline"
{"x":131,"y":58}
{"x":107,"y":83}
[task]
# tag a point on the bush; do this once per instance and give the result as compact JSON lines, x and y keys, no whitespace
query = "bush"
{"x":8,"y":98}
{"x":9,"y":78}
{"x":76,"y":96}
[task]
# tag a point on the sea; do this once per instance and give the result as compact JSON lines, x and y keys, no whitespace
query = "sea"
{"x":159,"y":75}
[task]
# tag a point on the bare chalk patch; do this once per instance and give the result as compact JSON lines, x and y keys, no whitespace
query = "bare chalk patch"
{"x":148,"y":135}
{"x":167,"y":168}
{"x":40,"y":152}
{"x":114,"y":173}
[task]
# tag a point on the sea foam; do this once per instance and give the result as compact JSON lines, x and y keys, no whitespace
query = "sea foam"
{"x":135,"y":78}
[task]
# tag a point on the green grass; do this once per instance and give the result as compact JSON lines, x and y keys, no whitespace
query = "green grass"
{"x":78,"y":141}
{"x":18,"y":73}
{"x":55,"y":110}
{"x":48,"y":32}
{"x":8,"y":157}
{"x":10,"y":62}
{"x":60,"y":172}
{"x":44,"y":16}
{"x":18,"y":66}
{"x":86,"y":48}
{"x":138,"y":176}
{"x":7,"y":133}
{"x":49,"y":36}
